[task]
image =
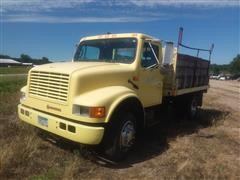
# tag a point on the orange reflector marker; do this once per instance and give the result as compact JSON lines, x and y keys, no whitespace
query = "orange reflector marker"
{"x":97,"y":112}
{"x":135,"y":78}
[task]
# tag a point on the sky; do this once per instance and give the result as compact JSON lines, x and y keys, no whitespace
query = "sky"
{"x":52,"y":28}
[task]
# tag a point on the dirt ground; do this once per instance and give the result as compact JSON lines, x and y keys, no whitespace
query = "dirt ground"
{"x":206,"y":148}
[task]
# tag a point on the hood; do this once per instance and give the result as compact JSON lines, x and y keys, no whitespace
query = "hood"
{"x":70,"y":67}
{"x":86,"y":76}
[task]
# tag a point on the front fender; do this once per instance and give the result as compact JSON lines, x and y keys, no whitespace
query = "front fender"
{"x":109,"y":97}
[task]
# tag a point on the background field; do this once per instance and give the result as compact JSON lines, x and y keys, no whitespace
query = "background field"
{"x":14,"y":70}
{"x":207,"y":148}
{"x":12,"y":83}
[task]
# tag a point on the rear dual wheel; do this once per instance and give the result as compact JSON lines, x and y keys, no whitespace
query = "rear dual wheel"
{"x":192,"y":107}
{"x":186,"y":106}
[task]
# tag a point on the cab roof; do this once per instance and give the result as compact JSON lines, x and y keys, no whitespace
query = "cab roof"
{"x":121,"y":35}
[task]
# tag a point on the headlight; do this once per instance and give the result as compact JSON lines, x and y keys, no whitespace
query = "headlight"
{"x":92,"y":112}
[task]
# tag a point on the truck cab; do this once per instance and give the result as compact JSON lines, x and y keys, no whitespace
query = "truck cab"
{"x":101,"y":97}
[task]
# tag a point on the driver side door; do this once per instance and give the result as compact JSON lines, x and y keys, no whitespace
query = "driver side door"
{"x":150,"y":81}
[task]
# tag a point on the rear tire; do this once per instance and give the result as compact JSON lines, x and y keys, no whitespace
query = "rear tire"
{"x":192,"y":107}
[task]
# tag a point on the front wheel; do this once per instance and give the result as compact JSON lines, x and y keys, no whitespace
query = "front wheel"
{"x":120,"y":136}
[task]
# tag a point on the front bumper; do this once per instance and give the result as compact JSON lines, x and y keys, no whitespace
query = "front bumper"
{"x":84,"y":134}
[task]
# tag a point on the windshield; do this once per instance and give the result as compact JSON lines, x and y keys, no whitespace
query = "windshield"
{"x":117,"y":50}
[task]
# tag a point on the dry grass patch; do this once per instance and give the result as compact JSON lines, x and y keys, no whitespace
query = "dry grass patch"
{"x":16,"y":155}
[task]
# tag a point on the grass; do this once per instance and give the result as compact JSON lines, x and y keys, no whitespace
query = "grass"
{"x":24,"y":152}
{"x":48,"y":175}
{"x":14,"y":70}
{"x":9,"y":92}
{"x":11,"y":84}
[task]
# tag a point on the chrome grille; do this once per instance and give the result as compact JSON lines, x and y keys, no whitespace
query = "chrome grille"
{"x":49,"y":85}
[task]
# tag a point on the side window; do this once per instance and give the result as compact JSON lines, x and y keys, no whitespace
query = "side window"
{"x":148,"y":57}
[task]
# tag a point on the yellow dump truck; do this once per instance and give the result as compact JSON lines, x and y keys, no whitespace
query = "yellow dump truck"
{"x":103,"y":96}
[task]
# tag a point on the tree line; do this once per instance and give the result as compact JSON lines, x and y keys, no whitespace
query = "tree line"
{"x":232,"y":68}
{"x":24,"y":58}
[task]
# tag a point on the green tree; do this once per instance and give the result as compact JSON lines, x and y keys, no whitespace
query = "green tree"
{"x":214,"y":69}
{"x":4,"y":56}
{"x":235,"y":65}
{"x":25,"y":58}
{"x":45,"y":60}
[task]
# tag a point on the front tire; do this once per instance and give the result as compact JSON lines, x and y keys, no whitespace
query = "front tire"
{"x":120,"y":136}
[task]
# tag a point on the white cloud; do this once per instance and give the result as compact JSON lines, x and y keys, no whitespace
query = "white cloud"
{"x":105,"y":10}
{"x":180,"y":3}
{"x":52,"y":19}
{"x":37,"y":5}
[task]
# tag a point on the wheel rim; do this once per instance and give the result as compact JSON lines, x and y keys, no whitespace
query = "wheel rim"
{"x":127,"y":136}
{"x":193,"y":107}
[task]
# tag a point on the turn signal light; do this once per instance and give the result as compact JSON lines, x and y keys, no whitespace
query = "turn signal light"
{"x":92,"y":112}
{"x":97,"y":112}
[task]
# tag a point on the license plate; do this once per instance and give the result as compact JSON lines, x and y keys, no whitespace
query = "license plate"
{"x":43,"y":121}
